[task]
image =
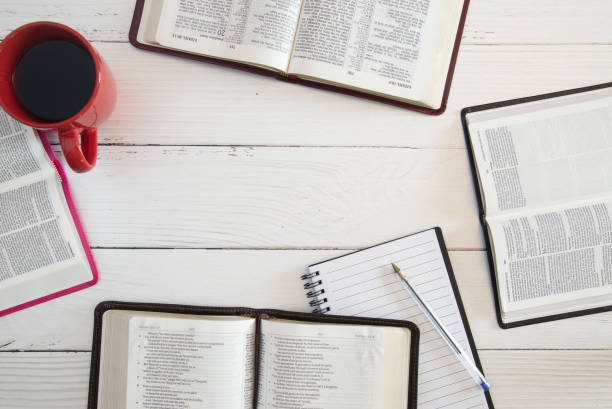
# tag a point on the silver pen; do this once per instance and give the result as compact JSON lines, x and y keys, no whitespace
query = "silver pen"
{"x":469,"y":365}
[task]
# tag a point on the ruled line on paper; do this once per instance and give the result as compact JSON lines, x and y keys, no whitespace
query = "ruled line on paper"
{"x":361,"y":292}
{"x":433,"y":329}
{"x":436,"y":358}
{"x":455,"y":334}
{"x":449,"y":394}
{"x":438,"y":387}
{"x":382,"y":285}
{"x":479,"y":405}
{"x":440,"y":377}
{"x":364,"y":288}
{"x":439,"y":367}
{"x":401,"y":290}
{"x":381,"y":256}
{"x":361,"y":283}
{"x":387,"y":264}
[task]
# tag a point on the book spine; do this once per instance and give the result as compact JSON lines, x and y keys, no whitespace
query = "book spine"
{"x":314,"y":292}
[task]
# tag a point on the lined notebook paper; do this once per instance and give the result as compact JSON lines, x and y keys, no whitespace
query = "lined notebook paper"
{"x":364,"y":284}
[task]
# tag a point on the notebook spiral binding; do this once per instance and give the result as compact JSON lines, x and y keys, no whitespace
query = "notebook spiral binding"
{"x":314,"y":293}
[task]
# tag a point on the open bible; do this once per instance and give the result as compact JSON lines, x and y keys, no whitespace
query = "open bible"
{"x":401,"y":52}
{"x":149,"y":356}
{"x":43,"y":250}
{"x":543,"y":172}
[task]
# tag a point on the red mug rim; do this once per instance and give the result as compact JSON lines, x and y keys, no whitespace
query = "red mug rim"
{"x":82,"y":42}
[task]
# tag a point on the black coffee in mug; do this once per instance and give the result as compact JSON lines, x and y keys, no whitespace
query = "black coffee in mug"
{"x":54,"y":79}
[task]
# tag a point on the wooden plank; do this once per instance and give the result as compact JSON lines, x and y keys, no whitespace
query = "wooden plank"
{"x":489,"y":21}
{"x":260,"y":278}
{"x":538,"y":22}
{"x":107,"y":20}
{"x":549,"y":379}
{"x":171,"y":101}
{"x":225,"y":197}
{"x":521,"y":379}
{"x":45,"y":379}
{"x":473,"y":278}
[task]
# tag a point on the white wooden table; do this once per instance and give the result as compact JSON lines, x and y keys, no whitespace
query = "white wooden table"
{"x":217,"y":187}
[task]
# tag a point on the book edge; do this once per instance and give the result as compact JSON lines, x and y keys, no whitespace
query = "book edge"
{"x":102,"y":307}
{"x":81,"y":234}
{"x":135,"y":24}
{"x":483,"y":107}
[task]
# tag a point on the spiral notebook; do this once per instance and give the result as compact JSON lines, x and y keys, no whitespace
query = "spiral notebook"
{"x":363,"y":284}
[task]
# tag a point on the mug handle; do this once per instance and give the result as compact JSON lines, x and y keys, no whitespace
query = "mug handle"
{"x":80,"y":156}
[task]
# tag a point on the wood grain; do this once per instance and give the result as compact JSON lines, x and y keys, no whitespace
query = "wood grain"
{"x":260,"y":278}
{"x":549,"y":379}
{"x":166,"y":100}
{"x":107,"y":20}
{"x":226,"y":197}
{"x":316,"y":170}
{"x":538,"y":22}
{"x":489,"y":21}
{"x":45,"y":379}
{"x":520,"y":379}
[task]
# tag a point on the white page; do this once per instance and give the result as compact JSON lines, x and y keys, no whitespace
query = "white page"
{"x":40,"y":251}
{"x":259,"y":32}
{"x":545,"y":152}
{"x":398,"y":49}
{"x":320,"y":366}
{"x":22,"y":157}
{"x":190,"y":364}
{"x":557,"y":255}
{"x":364,"y":284}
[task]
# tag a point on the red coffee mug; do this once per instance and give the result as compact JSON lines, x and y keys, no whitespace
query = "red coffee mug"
{"x":81,"y":156}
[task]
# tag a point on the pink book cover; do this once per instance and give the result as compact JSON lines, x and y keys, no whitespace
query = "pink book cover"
{"x":77,"y":222}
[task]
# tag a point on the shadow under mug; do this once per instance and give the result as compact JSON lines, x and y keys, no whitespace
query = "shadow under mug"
{"x":78,"y":134}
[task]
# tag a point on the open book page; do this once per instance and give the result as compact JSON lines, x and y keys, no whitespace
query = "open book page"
{"x":397,"y":49}
{"x":21,"y":155}
{"x":310,"y":365}
{"x":554,"y":260}
{"x":543,"y":153}
{"x":256,"y":32}
{"x":40,"y":251}
{"x":364,"y":284}
{"x":190,"y":363}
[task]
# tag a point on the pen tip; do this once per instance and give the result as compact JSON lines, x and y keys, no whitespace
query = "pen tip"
{"x":395,"y":267}
{"x":485,"y":386}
